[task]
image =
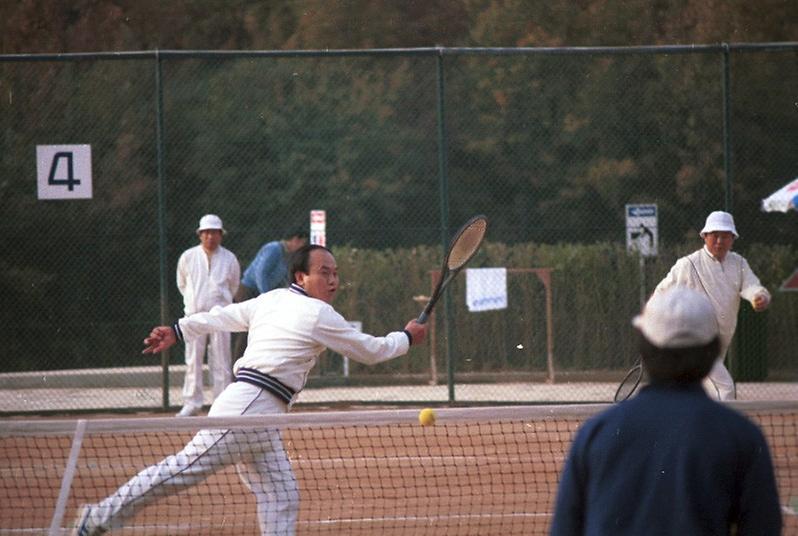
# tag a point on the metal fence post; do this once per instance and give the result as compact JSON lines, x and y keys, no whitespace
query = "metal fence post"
{"x":444,"y":208}
{"x":159,"y":149}
{"x":727,"y":147}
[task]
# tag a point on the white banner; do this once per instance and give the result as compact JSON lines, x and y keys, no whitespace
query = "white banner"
{"x":486,"y":289}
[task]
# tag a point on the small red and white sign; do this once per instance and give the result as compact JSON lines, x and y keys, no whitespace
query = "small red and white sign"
{"x":791,"y":284}
{"x":318,"y":217}
{"x":318,"y":227}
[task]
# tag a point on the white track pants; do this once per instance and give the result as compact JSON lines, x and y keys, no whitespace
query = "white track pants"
{"x":719,"y":384}
{"x":259,"y":456}
{"x":218,"y":345}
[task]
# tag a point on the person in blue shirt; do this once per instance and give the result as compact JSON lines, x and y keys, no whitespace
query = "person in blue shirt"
{"x":670,"y":460}
{"x":269,"y":269}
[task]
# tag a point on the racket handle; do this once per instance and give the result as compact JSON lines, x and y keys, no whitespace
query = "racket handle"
{"x":424,"y":316}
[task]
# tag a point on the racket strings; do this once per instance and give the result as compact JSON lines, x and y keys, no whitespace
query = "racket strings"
{"x":466,"y":244}
{"x":629,"y":384}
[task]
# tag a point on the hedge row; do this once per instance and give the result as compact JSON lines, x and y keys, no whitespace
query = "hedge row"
{"x":596,"y":291}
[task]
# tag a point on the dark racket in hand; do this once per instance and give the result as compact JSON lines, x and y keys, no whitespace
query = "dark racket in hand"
{"x":630,"y":382}
{"x":462,"y":248}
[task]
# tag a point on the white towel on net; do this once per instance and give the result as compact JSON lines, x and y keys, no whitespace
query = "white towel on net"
{"x":486,"y":289}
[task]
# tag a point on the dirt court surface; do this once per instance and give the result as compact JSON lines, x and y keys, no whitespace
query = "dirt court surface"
{"x":458,"y":478}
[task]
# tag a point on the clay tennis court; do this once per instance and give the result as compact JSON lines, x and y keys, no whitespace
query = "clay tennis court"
{"x":465,"y":475}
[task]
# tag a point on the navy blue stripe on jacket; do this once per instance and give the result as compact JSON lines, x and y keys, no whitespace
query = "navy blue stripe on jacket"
{"x":264,"y":381}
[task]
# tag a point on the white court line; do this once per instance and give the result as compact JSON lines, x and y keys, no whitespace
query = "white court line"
{"x":66,"y":482}
{"x":190,"y":529}
{"x":426,"y":518}
{"x":414,"y":460}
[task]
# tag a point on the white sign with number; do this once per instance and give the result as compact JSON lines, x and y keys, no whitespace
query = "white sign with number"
{"x":641,"y":229}
{"x":64,"y":171}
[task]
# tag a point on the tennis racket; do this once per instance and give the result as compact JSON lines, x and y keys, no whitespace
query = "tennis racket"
{"x":630,"y":382}
{"x":462,"y":248}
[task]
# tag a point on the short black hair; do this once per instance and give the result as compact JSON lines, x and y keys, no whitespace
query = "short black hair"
{"x":296,"y":232}
{"x":678,"y":365}
{"x":301,"y":258}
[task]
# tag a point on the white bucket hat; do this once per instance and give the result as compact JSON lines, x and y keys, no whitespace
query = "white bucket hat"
{"x":719,"y":221}
{"x":678,"y":317}
{"x":210,"y":222}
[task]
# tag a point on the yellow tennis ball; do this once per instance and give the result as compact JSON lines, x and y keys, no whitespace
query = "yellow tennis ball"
{"x":426,"y":417}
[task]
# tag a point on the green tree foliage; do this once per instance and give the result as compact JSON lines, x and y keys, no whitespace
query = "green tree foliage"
{"x":33,"y":26}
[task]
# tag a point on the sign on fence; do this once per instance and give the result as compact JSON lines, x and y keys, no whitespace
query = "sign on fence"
{"x":641,"y":229}
{"x":64,"y":171}
{"x":318,"y":227}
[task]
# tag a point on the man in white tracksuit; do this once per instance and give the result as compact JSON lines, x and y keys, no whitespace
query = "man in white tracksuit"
{"x":725,"y":277}
{"x":207,"y":275}
{"x":288,"y":329}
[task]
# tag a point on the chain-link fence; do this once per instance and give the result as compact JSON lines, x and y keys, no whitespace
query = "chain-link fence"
{"x":399,"y":147}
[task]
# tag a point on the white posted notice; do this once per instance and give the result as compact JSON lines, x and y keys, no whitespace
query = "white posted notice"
{"x":64,"y":171}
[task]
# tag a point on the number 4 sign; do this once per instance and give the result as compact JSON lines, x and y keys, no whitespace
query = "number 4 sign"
{"x":64,"y":171}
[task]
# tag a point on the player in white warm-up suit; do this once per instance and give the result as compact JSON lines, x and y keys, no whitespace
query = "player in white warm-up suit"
{"x":207,"y":275}
{"x":725,"y":277}
{"x":288,"y":329}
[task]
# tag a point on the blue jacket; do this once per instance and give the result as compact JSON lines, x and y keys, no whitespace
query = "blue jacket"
{"x":668,"y":461}
{"x":268,"y":270}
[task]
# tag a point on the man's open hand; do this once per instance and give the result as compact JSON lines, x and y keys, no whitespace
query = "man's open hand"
{"x":161,"y":338}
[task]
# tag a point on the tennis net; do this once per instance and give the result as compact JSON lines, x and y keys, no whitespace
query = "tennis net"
{"x":476,"y":471}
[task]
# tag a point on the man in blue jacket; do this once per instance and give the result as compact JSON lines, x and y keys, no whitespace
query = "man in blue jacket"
{"x":670,"y":460}
{"x":269,"y":268}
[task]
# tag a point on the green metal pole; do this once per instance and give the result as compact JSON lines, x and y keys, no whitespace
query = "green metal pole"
{"x":727,"y":159}
{"x":727,"y":143}
{"x":444,"y":214}
{"x":159,"y":149}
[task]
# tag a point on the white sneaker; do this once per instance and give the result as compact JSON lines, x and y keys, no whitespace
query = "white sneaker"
{"x":189,"y":410}
{"x":84,"y":526}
